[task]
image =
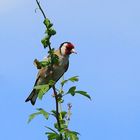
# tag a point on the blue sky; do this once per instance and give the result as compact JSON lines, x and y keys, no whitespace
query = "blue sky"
{"x":106,"y":36}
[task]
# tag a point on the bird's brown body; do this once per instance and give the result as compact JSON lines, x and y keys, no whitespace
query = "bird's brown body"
{"x":45,"y":74}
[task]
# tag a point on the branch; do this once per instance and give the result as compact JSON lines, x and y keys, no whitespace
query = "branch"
{"x":53,"y":87}
{"x":50,"y":48}
{"x":57,"y":109}
{"x":40,"y":8}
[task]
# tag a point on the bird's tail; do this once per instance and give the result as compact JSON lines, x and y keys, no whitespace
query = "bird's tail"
{"x":32,"y":97}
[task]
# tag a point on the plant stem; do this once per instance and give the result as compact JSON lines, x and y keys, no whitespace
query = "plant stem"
{"x":53,"y":87}
{"x":57,"y":108}
{"x":60,"y":108}
{"x":40,"y":8}
{"x":57,"y":111}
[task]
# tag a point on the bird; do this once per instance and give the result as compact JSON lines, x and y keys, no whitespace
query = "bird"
{"x":45,"y":74}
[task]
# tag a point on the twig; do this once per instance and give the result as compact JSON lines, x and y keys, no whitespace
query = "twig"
{"x":53,"y":87}
{"x":56,"y":99}
{"x":57,"y":109}
{"x":38,"y":3}
{"x":50,"y":48}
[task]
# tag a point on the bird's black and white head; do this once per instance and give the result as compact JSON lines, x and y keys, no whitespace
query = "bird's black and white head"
{"x":66,"y":49}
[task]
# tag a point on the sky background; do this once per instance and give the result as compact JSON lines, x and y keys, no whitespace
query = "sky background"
{"x":106,"y":35}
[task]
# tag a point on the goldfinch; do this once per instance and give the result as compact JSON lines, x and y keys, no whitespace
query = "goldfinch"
{"x":45,"y":74}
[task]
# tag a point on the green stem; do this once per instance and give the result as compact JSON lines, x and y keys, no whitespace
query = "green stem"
{"x":60,"y":108}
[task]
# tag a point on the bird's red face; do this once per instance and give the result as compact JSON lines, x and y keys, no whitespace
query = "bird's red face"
{"x":67,"y":48}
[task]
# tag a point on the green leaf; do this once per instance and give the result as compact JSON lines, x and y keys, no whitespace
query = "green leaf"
{"x":51,"y":83}
{"x":51,"y":51}
{"x":46,"y":41}
{"x":32,"y":116}
{"x":63,"y":82}
{"x":40,"y":112}
{"x":51,"y":129}
{"x":74,"y":132}
{"x":63,"y":124}
{"x":56,"y":126}
{"x":59,"y":98}
{"x":72,"y":90}
{"x":40,"y":64}
{"x":41,"y":86}
{"x":53,"y":113}
{"x":72,"y":135}
{"x":42,"y":90}
{"x":51,"y":32}
{"x":63,"y":113}
{"x":55,"y":59}
{"x":83,"y":93}
{"x":45,"y":63}
{"x":43,"y":41}
{"x":47,"y":22}
{"x":52,"y":136}
{"x":44,"y":113}
{"x":41,"y":93}
{"x":72,"y":79}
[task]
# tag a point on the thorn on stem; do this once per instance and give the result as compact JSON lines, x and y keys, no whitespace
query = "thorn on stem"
{"x":36,"y":10}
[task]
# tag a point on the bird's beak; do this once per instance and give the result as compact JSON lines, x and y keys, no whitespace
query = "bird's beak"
{"x":73,"y":51}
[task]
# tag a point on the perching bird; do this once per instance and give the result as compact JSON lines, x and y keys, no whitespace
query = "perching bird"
{"x":45,"y":74}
